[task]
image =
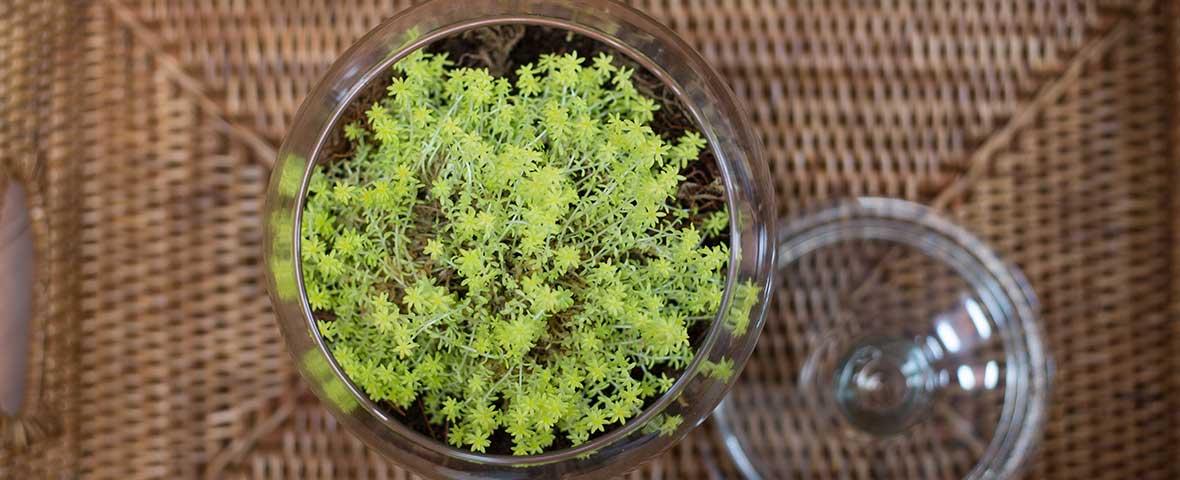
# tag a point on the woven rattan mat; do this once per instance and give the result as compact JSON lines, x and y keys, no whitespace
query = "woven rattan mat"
{"x":144,"y":131}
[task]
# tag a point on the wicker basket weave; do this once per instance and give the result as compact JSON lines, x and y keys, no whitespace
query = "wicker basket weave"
{"x":143,"y":131}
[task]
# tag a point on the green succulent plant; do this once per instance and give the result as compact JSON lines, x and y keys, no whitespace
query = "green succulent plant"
{"x":511,"y":256}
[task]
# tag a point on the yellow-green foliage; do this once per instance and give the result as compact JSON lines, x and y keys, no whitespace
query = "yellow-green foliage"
{"x":512,"y":256}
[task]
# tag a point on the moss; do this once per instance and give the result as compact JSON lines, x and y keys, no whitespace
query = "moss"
{"x":510,"y":256}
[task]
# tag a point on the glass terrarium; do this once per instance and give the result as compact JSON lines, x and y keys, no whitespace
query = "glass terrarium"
{"x":706,"y":103}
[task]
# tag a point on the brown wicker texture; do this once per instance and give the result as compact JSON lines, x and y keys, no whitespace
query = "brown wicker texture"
{"x":144,"y":130}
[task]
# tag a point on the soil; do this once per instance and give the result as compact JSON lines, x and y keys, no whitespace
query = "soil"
{"x":501,"y":49}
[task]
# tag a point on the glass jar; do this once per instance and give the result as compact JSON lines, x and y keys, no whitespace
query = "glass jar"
{"x":750,"y":201}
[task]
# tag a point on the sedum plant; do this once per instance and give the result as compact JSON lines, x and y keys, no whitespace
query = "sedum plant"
{"x":510,"y":258}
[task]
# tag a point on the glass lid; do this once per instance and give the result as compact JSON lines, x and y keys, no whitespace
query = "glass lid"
{"x":897,"y":346}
